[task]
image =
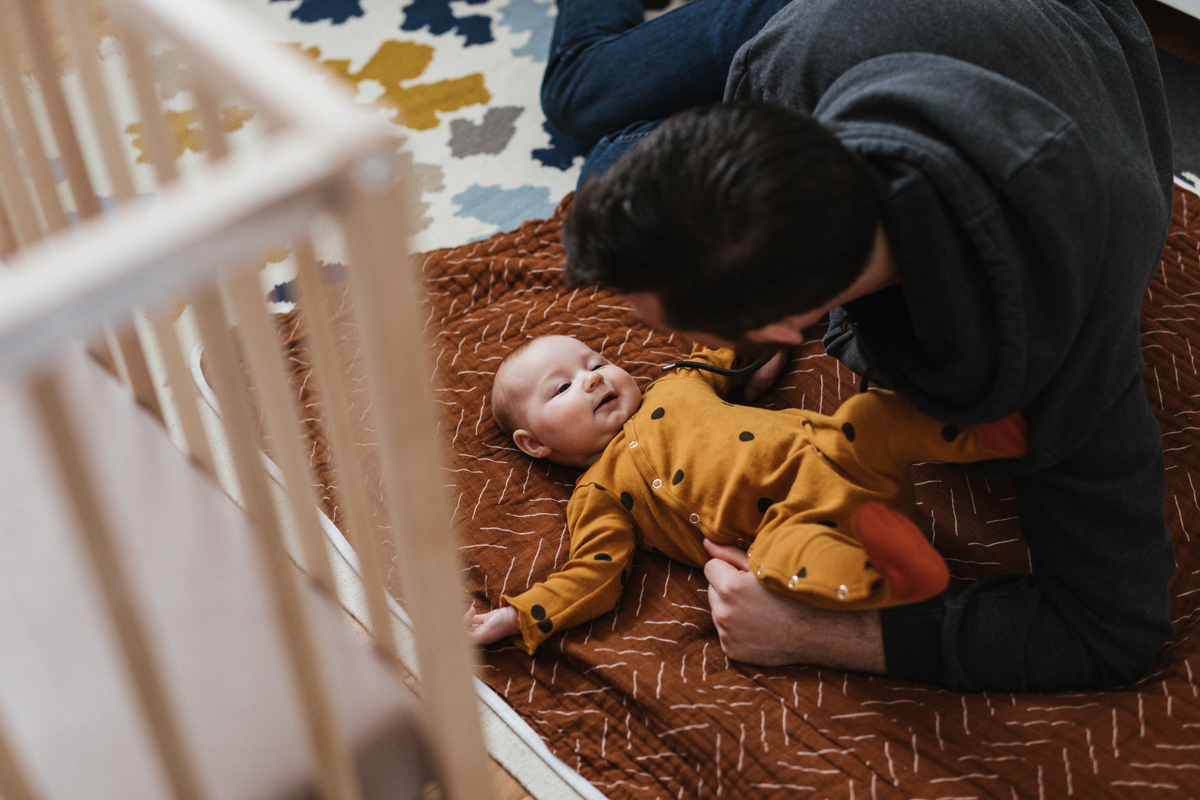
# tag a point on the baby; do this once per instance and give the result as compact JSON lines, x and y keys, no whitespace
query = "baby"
{"x":820,"y":503}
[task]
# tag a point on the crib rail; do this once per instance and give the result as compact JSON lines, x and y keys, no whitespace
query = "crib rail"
{"x":152,"y":153}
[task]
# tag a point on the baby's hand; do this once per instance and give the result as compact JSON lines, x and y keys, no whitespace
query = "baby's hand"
{"x":494,"y":625}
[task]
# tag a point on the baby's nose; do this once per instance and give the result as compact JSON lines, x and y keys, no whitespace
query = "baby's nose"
{"x":592,"y":380}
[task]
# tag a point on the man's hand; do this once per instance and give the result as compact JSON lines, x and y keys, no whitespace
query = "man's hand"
{"x":758,"y":627}
{"x":493,"y":626}
{"x":766,"y":375}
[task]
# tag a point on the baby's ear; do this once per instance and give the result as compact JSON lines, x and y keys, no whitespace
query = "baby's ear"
{"x":529,"y":445}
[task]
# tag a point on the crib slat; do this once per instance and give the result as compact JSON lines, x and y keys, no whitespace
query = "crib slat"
{"x":81,"y":40}
{"x":36,"y":159}
{"x":160,"y":145}
{"x":110,"y":573}
{"x":332,"y":386}
{"x":338,"y":780}
{"x":282,"y":420}
{"x":137,"y":371}
{"x":395,"y":359}
{"x":33,"y":13}
{"x":14,"y":785}
{"x":182,"y":387}
{"x":8,"y":239}
{"x":209,"y":114}
{"x":14,"y":191}
{"x":77,"y":28}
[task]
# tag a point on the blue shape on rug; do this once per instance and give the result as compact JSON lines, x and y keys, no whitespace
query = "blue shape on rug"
{"x":336,"y":11}
{"x":288,"y":292}
{"x":437,"y":16}
{"x":533,"y":16}
{"x":505,"y":208}
{"x":562,"y":150}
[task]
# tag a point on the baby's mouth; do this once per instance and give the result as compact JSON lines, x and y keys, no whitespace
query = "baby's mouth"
{"x":609,"y":398}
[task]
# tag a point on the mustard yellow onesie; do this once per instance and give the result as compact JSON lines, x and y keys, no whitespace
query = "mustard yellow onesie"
{"x":689,"y":466}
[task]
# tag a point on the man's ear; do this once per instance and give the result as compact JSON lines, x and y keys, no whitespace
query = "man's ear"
{"x":529,"y":445}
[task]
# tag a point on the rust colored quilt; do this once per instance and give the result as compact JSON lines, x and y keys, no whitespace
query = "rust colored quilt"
{"x":643,"y":703}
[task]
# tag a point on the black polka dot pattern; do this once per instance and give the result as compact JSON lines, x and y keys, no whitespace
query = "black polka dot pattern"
{"x":848,"y":429}
{"x":545,"y":626}
{"x":803,"y":573}
{"x":603,"y":557}
{"x":598,"y":486}
{"x":678,"y":477}
{"x":658,"y":413}
{"x":627,"y":500}
{"x":867,"y":565}
{"x":746,"y":436}
{"x":950,"y":433}
{"x":537,"y":612}
{"x":828,"y":523}
{"x":764,"y":503}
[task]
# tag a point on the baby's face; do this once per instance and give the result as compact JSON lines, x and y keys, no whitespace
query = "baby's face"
{"x":571,"y":399}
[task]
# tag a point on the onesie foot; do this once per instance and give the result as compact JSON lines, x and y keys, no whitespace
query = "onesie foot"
{"x":898,"y":549}
{"x":1009,"y":437}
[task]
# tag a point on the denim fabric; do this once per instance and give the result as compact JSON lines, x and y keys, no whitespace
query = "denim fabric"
{"x":611,"y":76}
{"x":610,"y":148}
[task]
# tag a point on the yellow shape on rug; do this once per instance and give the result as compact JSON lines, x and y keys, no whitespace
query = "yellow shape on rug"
{"x":184,"y":132}
{"x":395,"y":62}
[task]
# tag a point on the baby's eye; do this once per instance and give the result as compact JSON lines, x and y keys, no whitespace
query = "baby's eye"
{"x":598,"y":366}
{"x":562,"y":388}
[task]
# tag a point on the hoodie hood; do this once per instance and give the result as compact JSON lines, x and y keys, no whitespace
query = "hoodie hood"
{"x":1025,"y":230}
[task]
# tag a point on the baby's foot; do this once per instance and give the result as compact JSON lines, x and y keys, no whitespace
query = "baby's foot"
{"x":1009,"y":437}
{"x":897,"y":548}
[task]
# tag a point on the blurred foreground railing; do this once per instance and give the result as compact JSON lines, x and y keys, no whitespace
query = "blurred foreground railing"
{"x":152,"y":152}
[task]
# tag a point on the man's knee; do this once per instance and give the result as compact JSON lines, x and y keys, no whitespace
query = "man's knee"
{"x":567,"y":112}
{"x":1012,"y":637}
{"x":1116,"y":654}
{"x":1127,"y":654}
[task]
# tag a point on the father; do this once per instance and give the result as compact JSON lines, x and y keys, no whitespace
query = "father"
{"x":978,"y":194}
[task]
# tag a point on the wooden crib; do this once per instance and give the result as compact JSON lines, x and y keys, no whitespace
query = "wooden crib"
{"x":157,"y":640}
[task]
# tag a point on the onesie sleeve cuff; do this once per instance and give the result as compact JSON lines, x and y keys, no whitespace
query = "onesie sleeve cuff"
{"x":912,"y":641}
{"x":536,"y":627}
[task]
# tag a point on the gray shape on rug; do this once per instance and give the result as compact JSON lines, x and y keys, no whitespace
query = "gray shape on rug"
{"x":490,"y":136}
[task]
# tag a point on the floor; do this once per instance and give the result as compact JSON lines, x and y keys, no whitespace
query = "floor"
{"x":1173,"y":30}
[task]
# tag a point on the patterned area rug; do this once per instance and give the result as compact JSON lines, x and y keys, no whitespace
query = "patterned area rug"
{"x":460,"y":79}
{"x":643,"y":703}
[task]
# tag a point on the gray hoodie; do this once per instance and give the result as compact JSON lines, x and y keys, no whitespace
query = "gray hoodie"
{"x":1024,"y":168}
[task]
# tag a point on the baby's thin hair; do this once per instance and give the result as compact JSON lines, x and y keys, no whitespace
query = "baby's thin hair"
{"x":502,"y":408}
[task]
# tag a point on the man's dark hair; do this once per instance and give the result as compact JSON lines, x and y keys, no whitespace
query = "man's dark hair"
{"x":735,"y":215}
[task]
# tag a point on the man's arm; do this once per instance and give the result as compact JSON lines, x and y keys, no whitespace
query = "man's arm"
{"x":758,"y":627}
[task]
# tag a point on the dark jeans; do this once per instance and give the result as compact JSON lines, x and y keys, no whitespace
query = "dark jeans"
{"x":611,"y":77}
